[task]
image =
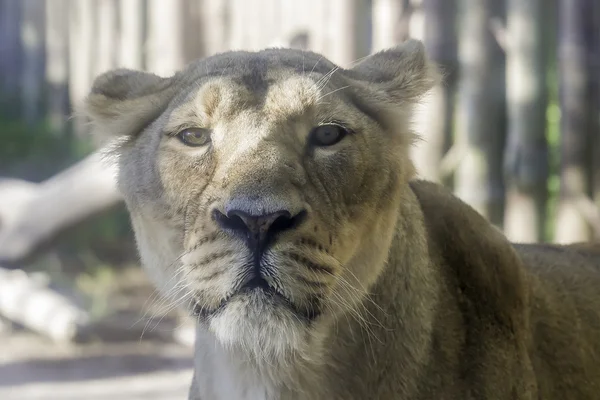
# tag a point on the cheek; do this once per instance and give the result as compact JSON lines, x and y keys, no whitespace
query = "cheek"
{"x":340,"y":173}
{"x":183,"y":177}
{"x":159,"y":245}
{"x":355,"y":177}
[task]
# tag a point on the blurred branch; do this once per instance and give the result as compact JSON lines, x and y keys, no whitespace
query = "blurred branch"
{"x":31,"y":214}
{"x":299,"y":39}
{"x":451,"y":160}
{"x":35,"y":306}
{"x":589,"y":211}
{"x":499,"y":32}
{"x":185,"y":334}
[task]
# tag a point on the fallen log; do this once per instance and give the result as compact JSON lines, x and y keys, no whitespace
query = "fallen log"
{"x":31,"y":214}
{"x":32,"y":304}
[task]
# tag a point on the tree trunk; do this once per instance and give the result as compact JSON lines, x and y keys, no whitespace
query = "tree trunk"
{"x":32,"y":43}
{"x":575,"y":38}
{"x":295,"y":25}
{"x":390,"y":23}
{"x":319,"y":29}
{"x":437,"y":112}
{"x":193,"y":45}
{"x":82,"y":42}
{"x":215,"y":27}
{"x":415,"y":19}
{"x":348,"y":31}
{"x":165,"y":54}
{"x":237,"y":36}
{"x":595,"y":68}
{"x":298,"y":25}
{"x":106,"y":33}
{"x":10,"y":53}
{"x":526,"y":157}
{"x":254,"y":11}
{"x":481,"y":110}
{"x":272,"y":17}
{"x":132,"y":15}
{"x":57,"y":65}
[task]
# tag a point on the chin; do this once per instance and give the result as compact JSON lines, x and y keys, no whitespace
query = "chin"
{"x":262,"y":324}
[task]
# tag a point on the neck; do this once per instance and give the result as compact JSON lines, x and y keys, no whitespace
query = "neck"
{"x":397,"y":322}
{"x":399,"y":308}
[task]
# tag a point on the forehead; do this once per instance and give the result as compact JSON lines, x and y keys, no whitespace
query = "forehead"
{"x":278,"y":83}
{"x":251,"y":68}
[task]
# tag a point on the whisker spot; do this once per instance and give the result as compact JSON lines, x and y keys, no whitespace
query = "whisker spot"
{"x":310,"y":264}
{"x":212,"y":257}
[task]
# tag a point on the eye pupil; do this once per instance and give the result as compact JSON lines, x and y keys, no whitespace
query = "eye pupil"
{"x":327,"y":135}
{"x":194,"y":136}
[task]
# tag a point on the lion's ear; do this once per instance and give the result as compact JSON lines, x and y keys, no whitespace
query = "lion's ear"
{"x":123,"y":101}
{"x":402,"y":74}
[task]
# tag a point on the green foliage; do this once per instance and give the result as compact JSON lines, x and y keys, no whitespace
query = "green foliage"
{"x":105,"y":239}
{"x":553,"y":138}
{"x":27,"y":144}
{"x":96,"y":285}
{"x":35,"y":145}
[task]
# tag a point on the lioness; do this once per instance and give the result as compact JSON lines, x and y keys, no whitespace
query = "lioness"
{"x":273,"y":192}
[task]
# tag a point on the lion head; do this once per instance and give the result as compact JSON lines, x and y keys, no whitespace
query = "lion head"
{"x":263,"y":187}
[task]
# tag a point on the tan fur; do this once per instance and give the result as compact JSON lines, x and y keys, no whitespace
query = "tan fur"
{"x":417,"y":296}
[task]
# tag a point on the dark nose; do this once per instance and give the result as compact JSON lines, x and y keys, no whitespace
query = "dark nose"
{"x":258,"y":230}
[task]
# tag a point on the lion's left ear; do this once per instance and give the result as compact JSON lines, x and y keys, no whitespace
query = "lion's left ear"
{"x":402,"y":74}
{"x":122,"y":102}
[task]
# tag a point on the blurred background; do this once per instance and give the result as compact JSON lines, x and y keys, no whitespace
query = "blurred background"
{"x":514,"y":130}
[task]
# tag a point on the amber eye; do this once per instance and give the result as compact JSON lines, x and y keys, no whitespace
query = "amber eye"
{"x":194,"y":136}
{"x":327,"y":135}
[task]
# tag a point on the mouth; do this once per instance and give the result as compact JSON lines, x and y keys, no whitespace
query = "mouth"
{"x":267,"y":294}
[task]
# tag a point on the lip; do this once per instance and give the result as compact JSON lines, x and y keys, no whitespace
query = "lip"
{"x":258,"y":283}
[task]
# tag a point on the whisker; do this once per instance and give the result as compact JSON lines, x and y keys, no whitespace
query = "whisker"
{"x":333,"y":91}
{"x":173,"y":306}
{"x":315,"y":66}
{"x":353,"y":63}
{"x":161,"y":299}
{"x":321,"y":83}
{"x":360,"y":298}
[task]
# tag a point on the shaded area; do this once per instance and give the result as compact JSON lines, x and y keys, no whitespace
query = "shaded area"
{"x":88,"y":367}
{"x":30,"y":369}
{"x":164,"y":386}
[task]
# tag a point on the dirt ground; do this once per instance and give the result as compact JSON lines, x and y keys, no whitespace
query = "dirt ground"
{"x":115,"y":364}
{"x":31,"y":368}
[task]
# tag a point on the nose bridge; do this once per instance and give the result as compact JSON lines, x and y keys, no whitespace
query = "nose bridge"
{"x":261,"y":181}
{"x":268,"y":163}
{"x":272,"y":155}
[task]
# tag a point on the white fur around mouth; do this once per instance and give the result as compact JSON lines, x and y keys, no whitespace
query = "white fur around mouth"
{"x":256,"y":283}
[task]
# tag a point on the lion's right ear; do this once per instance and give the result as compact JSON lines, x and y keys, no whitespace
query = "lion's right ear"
{"x":401,"y":75}
{"x":122,"y":101}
